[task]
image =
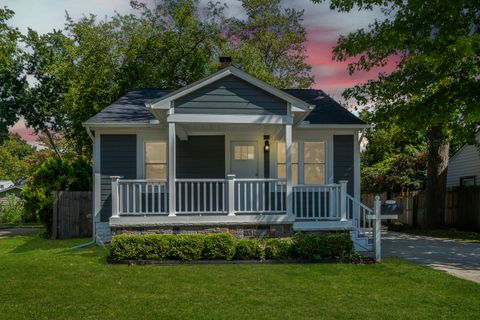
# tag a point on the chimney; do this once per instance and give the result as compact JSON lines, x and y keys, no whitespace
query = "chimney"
{"x":225,"y":62}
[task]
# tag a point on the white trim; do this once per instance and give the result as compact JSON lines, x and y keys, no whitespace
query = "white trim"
{"x":165,"y":101}
{"x":97,"y":179}
{"x":151,"y":124}
{"x":171,"y":169}
{"x":288,"y":168}
{"x":356,"y":167}
{"x":229,"y":119}
{"x":304,"y":125}
{"x":213,"y":219}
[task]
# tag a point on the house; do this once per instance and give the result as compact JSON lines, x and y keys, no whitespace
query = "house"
{"x":5,"y":184}
{"x":5,"y":192}
{"x":464,"y":166}
{"x":227,"y":153}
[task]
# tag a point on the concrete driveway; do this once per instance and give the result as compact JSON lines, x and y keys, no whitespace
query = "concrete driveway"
{"x":460,"y":259}
{"x":7,"y":233}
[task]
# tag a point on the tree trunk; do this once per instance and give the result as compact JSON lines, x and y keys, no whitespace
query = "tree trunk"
{"x":438,"y":152}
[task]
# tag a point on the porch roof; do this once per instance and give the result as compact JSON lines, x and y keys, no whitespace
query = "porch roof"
{"x":130,"y":109}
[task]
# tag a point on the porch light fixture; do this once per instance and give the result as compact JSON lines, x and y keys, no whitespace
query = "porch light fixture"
{"x":267,"y":143}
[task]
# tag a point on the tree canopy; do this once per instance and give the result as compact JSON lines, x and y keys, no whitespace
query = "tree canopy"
{"x":435,"y":48}
{"x":77,"y":71}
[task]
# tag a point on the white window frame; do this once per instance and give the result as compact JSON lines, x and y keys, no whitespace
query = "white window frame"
{"x":303,"y":160}
{"x":301,"y":168}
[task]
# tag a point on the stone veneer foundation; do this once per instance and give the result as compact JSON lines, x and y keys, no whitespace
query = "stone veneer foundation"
{"x":240,"y":231}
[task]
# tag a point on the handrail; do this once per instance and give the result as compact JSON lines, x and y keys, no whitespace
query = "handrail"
{"x":261,"y":179}
{"x":360,"y":214}
{"x":199,"y":180}
{"x":142,"y":180}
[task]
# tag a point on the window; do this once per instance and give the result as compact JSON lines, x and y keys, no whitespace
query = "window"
{"x":282,"y":159}
{"x":314,"y":162}
{"x":155,"y":160}
{"x":244,"y":152}
{"x":467,"y":181}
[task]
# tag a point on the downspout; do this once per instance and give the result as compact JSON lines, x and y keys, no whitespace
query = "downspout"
{"x":94,"y":231}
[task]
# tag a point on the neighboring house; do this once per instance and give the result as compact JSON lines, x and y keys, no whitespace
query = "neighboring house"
{"x":464,"y":166}
{"x":5,"y":192}
{"x":5,"y":184}
{"x":227,"y":153}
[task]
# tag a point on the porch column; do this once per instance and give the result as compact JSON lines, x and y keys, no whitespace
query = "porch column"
{"x":115,"y":197}
{"x":288,"y":167}
{"x":343,"y":200}
{"x":171,"y":169}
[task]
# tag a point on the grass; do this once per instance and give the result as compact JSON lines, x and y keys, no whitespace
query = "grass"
{"x":452,"y":234}
{"x":45,"y":279}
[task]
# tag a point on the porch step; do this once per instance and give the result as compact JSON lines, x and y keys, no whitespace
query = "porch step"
{"x":362,"y":243}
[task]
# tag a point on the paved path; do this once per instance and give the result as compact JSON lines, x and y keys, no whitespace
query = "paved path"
{"x":7,"y":233}
{"x":461,"y":259}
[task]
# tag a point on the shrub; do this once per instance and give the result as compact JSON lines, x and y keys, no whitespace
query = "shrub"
{"x":225,"y":247}
{"x":278,"y":248}
{"x":219,"y":246}
{"x":156,"y":247}
{"x":11,"y":211}
{"x":249,"y":249}
{"x":322,"y":245}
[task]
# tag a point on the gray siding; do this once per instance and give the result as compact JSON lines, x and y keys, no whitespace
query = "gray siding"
{"x":466,"y":163}
{"x":231,"y":95}
{"x":118,"y":157}
{"x":343,"y":167}
{"x":201,"y":157}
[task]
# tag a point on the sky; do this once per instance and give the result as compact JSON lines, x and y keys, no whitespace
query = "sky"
{"x":323,"y":27}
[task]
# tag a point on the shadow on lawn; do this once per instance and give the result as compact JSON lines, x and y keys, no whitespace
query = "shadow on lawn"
{"x":35,"y":243}
{"x":432,"y":251}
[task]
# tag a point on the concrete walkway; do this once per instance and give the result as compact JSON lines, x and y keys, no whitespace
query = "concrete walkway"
{"x":460,"y":259}
{"x":7,"y":233}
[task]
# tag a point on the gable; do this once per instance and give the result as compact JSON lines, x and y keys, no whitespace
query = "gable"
{"x":230,"y":95}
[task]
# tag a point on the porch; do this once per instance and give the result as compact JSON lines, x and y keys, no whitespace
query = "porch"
{"x":237,"y":201}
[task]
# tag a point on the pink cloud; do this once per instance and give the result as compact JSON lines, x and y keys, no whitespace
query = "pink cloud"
{"x":27,"y":134}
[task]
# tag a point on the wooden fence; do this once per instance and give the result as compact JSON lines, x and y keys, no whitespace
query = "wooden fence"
{"x":462,"y":207}
{"x":72,"y":214}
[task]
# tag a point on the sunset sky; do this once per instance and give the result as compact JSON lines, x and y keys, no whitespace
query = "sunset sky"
{"x":323,"y":29}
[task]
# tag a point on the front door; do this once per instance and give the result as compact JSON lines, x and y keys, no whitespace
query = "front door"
{"x":244,"y":159}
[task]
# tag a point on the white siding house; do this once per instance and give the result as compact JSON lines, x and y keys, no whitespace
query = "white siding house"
{"x":464,"y":166}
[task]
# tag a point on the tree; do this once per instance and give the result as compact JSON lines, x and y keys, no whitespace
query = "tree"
{"x":270,"y":44}
{"x":14,"y":153}
{"x":12,"y":79}
{"x":435,"y":47}
{"x":54,"y":175}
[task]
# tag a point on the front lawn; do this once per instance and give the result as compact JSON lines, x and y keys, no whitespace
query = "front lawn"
{"x":45,"y":279}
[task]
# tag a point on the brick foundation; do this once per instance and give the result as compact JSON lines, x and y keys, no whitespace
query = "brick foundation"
{"x":242,"y":231}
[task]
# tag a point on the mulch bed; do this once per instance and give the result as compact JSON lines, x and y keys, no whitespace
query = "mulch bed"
{"x":199,"y":262}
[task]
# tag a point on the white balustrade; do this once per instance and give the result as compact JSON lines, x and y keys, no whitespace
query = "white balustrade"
{"x":260,"y":195}
{"x":141,"y":197}
{"x":358,"y":213}
{"x":317,"y":202}
{"x":201,"y":196}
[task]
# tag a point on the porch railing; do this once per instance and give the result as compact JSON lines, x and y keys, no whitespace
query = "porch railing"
{"x":201,"y":196}
{"x":358,"y":213}
{"x":317,"y":202}
{"x":237,"y":196}
{"x":260,"y":195}
{"x":140,"y":196}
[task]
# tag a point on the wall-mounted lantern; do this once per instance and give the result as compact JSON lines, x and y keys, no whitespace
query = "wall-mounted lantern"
{"x":267,"y":143}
